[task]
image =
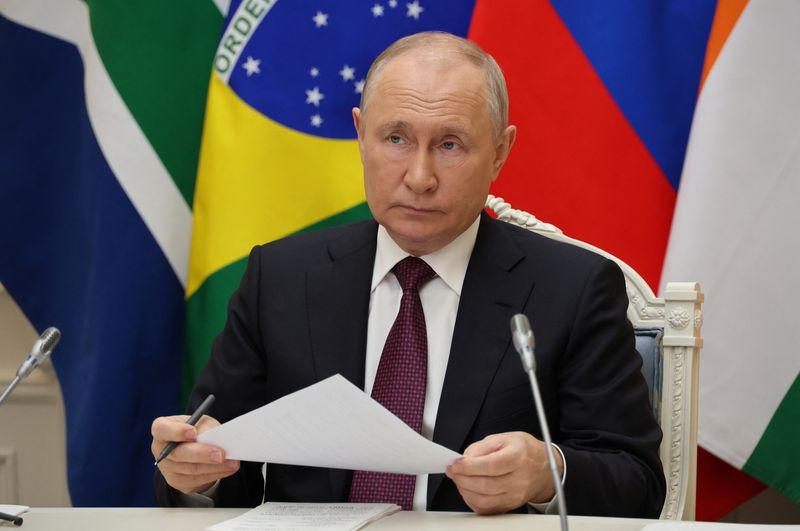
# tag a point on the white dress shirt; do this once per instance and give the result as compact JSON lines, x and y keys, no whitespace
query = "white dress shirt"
{"x":440,"y":297}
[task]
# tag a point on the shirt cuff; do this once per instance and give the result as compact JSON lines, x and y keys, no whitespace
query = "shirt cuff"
{"x":207,"y":498}
{"x":551,"y":507}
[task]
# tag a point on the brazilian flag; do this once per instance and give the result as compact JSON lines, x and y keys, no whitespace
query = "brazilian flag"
{"x":279,"y":152}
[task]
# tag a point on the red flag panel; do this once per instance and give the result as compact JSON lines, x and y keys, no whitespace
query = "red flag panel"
{"x":577,"y":163}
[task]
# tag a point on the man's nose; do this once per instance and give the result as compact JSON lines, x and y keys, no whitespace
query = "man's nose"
{"x":420,"y":176}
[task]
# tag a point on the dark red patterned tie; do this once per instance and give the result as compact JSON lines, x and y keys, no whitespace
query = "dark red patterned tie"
{"x":400,"y":383}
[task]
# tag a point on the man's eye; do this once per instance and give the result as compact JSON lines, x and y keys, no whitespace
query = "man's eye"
{"x":449,"y":145}
{"x":395,"y":139}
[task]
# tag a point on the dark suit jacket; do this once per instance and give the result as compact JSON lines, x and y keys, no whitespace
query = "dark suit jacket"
{"x":300,"y":316}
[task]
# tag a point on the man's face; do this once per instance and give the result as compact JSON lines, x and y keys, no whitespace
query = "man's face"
{"x":428,"y":149}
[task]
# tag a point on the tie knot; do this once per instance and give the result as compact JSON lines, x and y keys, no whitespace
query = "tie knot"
{"x":412,"y":272}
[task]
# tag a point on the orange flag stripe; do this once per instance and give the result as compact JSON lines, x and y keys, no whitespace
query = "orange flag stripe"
{"x":725,"y":18}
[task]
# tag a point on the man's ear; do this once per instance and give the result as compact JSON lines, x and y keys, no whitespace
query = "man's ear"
{"x":357,"y":124}
{"x":503,"y":147}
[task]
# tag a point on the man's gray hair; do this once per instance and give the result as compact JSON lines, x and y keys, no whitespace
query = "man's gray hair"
{"x":433,"y":41}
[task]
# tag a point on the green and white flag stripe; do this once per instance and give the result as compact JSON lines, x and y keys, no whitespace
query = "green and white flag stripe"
{"x":165,"y":81}
{"x":146,"y":67}
{"x":776,"y":459}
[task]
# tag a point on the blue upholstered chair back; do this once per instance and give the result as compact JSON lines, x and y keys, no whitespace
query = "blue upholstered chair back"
{"x":648,"y":344}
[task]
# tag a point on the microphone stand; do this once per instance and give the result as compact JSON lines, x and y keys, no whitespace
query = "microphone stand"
{"x":10,"y":388}
{"x":551,"y":458}
{"x":40,"y":351}
{"x":524,"y":342}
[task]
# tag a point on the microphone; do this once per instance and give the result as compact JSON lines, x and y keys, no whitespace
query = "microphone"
{"x":41,"y":350}
{"x":522,"y":336}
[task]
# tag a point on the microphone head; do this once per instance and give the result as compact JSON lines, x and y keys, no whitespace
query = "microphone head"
{"x":41,"y":349}
{"x":521,"y":332}
{"x":522,"y":336}
{"x":50,"y":338}
{"x":44,"y":346}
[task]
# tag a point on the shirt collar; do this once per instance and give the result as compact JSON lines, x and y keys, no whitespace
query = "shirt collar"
{"x":450,"y":262}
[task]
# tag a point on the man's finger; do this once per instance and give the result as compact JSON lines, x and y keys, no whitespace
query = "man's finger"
{"x":206,"y":423}
{"x":485,"y":446}
{"x":483,"y":485}
{"x":485,"y":504}
{"x":173,"y":429}
{"x":199,"y":469}
{"x":191,"y":452}
{"x":498,"y":463}
{"x":203,"y":479}
{"x":189,"y":483}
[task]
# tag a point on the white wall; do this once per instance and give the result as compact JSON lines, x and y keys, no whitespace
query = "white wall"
{"x":32,"y":431}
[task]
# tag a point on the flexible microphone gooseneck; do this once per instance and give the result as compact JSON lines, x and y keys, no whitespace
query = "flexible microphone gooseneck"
{"x":40,"y":351}
{"x":522,"y":335}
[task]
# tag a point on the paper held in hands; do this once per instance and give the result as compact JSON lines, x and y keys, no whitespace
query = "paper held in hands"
{"x":330,"y":424}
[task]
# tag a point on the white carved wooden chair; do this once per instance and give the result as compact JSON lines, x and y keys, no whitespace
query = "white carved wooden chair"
{"x":668,"y":338}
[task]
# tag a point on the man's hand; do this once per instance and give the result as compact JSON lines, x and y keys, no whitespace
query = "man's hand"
{"x":192,"y":466}
{"x":503,"y":472}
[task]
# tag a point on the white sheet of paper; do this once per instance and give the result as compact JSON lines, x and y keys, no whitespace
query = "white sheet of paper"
{"x":307,"y":516}
{"x":15,"y":510}
{"x":331,"y":424}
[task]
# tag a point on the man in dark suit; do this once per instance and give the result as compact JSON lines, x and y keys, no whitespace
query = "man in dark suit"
{"x":433,"y":134}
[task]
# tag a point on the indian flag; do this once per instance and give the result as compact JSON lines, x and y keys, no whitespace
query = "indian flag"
{"x":737,"y":230}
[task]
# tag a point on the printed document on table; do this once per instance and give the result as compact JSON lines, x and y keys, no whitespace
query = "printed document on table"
{"x":331,"y":424}
{"x":714,"y":526}
{"x":307,"y":516}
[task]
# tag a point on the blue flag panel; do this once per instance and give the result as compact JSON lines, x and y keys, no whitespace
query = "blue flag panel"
{"x":649,"y":56}
{"x":313,"y":56}
{"x":75,"y":254}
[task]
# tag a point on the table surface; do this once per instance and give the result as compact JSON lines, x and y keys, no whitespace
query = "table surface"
{"x":127,"y":519}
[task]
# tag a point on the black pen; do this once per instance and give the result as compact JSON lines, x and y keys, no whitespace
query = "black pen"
{"x":14,"y":519}
{"x":191,"y":421}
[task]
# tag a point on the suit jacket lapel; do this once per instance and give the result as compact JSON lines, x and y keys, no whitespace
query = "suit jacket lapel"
{"x":338,"y":307}
{"x":494,"y":290}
